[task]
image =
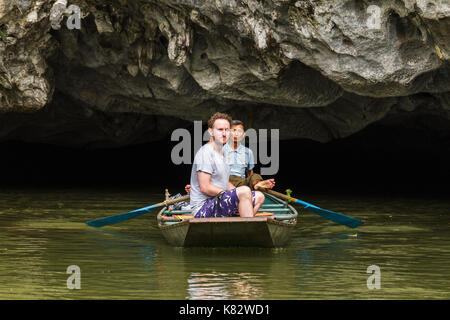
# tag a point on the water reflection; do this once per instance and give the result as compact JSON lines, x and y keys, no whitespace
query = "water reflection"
{"x":212,"y":286}
{"x":238,"y":273}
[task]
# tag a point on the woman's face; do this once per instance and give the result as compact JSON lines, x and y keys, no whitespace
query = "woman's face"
{"x":237,"y":132}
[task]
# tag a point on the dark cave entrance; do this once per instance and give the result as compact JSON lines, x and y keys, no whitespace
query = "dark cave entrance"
{"x":381,"y":159}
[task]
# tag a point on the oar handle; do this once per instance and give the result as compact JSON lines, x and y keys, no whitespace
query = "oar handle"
{"x":280,"y":195}
{"x":169,"y":202}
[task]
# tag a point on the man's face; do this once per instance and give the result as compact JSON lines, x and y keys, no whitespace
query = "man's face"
{"x":237,"y":132}
{"x":220,"y":131}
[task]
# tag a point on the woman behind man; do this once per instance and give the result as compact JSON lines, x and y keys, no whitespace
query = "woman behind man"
{"x":241,"y":161}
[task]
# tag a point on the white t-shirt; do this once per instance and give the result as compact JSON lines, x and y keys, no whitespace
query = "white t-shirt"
{"x":209,"y":161}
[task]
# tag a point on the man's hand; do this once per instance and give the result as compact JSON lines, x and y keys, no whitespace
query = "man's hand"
{"x":187,"y":188}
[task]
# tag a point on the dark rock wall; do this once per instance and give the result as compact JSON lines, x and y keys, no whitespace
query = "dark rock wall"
{"x":318,"y":70}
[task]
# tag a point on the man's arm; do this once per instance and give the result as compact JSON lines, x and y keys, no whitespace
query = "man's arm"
{"x":204,"y":181}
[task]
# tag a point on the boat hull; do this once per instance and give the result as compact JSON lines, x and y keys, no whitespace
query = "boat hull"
{"x":271,"y":231}
{"x":234,"y":231}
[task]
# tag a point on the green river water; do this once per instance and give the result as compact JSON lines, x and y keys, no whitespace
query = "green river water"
{"x":43,"y":232}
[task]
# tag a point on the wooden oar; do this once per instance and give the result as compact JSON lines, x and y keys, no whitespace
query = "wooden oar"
{"x":132,"y":214}
{"x":327,"y":214}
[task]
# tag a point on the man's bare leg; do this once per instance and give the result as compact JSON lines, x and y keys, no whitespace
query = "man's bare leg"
{"x":245,"y":206}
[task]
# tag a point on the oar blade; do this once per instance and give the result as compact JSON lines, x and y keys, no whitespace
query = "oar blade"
{"x":333,"y":216}
{"x":119,"y":217}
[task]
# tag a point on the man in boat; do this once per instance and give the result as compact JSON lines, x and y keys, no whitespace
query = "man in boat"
{"x":211,"y":193}
{"x":241,"y":161}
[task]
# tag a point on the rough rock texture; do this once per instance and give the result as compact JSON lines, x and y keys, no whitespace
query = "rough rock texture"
{"x":317,"y":69}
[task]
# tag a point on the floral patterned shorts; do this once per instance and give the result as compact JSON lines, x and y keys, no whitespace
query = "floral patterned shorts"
{"x":222,"y":205}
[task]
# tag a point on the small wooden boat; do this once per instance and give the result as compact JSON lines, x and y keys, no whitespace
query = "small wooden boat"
{"x":272,"y":229}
